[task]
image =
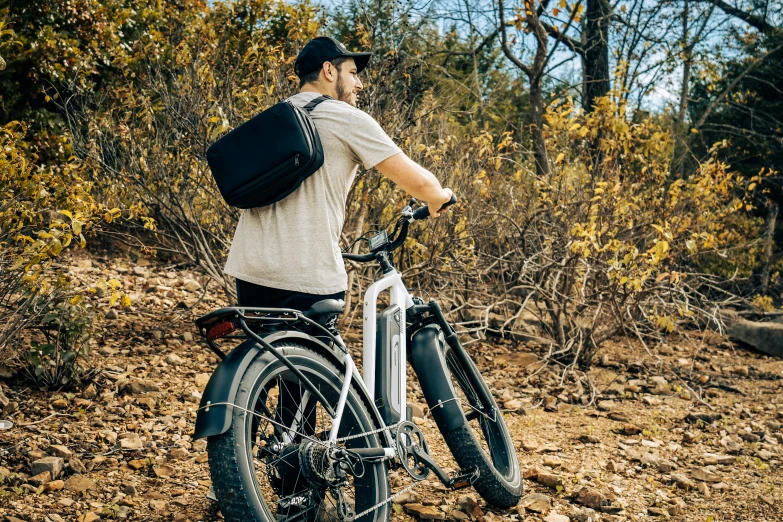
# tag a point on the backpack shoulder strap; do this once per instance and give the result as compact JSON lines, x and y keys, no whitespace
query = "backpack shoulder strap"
{"x":313,"y":104}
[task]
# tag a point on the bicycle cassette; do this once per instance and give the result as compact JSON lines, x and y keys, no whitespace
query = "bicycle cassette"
{"x":410,"y":445}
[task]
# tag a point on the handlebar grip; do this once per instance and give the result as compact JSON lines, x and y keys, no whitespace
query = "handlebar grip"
{"x":424,"y":212}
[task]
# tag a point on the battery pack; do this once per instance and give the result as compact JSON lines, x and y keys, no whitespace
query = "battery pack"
{"x":387,"y":364}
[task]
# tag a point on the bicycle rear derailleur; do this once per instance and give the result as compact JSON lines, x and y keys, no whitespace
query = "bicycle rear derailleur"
{"x":414,"y":455}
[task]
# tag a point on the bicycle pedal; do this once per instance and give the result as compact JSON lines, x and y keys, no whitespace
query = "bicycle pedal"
{"x":464,"y":479}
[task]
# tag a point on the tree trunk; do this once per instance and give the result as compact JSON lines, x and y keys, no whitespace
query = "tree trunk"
{"x":596,"y":56}
{"x":679,"y":132}
{"x":537,"y":128}
{"x":769,"y":243}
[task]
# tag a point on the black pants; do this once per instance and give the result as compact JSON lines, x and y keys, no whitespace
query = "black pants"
{"x":250,"y":294}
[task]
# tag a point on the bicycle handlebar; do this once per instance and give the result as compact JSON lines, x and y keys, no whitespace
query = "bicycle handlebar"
{"x":424,"y":212}
{"x":418,"y":214}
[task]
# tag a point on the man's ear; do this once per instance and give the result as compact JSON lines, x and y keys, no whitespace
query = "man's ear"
{"x":328,"y":70}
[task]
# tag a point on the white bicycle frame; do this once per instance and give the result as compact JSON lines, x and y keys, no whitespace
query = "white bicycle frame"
{"x":399,"y":295}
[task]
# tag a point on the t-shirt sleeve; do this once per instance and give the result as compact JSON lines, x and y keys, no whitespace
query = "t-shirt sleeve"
{"x":368,"y":142}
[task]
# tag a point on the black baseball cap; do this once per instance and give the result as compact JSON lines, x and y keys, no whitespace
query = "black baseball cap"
{"x":323,"y":49}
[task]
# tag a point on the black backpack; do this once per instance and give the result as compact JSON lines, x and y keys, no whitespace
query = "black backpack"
{"x":266,"y":158}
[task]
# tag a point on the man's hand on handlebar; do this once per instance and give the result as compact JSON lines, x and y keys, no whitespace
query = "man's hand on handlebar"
{"x":437,"y":206}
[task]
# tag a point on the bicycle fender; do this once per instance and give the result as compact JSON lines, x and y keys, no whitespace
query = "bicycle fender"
{"x":224,"y":383}
{"x":429,"y":363}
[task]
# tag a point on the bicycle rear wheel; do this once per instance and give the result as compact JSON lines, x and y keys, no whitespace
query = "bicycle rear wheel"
{"x":272,"y":464}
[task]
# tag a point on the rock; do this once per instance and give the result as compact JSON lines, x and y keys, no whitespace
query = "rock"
{"x":89,"y":517}
{"x":148,"y":402}
{"x":187,"y":337}
{"x":554,"y":517}
{"x":658,"y":512}
{"x":191,"y":285}
{"x":164,"y":471}
{"x":130,"y":442}
{"x":528,"y":445}
{"x":606,"y":405}
{"x":676,"y":506}
{"x":202,"y":379}
{"x":682,"y":482}
{"x":424,"y":512}
{"x":140,"y":271}
{"x":659,"y":381}
{"x":666,"y":466}
{"x":469,"y":505}
{"x":618,"y":416}
{"x":513,"y":405}
{"x":459,"y":515}
{"x":79,"y":484}
{"x":138,"y":464}
{"x":54,"y":465}
{"x":591,"y":498}
{"x":531,"y":473}
{"x":552,"y":462}
{"x":157,"y":505}
{"x":631,"y":429}
{"x":61,"y":451}
{"x":173,"y":359}
{"x":705,"y":417}
{"x":54,"y":485}
{"x":765,"y":455}
{"x":76,"y":465}
{"x":703,"y":488}
{"x":585,"y":515}
{"x":705,"y":475}
{"x":550,"y":404}
{"x":409,"y":497}
{"x":766,"y":336}
{"x":60,"y":404}
{"x":749,"y":437}
{"x":111,"y":315}
{"x":650,"y":459}
{"x":4,"y":401}
{"x":615,"y":467}
{"x":179,"y":454}
{"x":137,"y":386}
{"x":521,"y":359}
{"x":548,"y":448}
{"x":731,"y":445}
{"x":549,"y":480}
{"x":40,"y":479}
{"x":535,"y":502}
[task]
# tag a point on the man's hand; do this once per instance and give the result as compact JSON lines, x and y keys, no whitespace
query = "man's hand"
{"x":436,"y":205}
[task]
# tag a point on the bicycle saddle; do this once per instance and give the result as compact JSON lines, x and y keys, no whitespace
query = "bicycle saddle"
{"x":326,"y":307}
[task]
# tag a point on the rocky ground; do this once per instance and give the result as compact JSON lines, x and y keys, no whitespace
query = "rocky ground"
{"x":686,"y":431}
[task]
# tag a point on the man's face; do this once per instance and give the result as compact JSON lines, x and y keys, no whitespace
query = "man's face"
{"x":348,"y":82}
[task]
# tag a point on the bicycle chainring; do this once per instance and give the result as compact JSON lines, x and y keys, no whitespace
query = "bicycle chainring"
{"x":409,"y":436}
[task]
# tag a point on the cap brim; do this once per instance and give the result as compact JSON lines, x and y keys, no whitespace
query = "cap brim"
{"x":361,"y":60}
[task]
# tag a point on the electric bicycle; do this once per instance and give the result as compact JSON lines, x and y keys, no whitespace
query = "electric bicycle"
{"x":296,"y":432}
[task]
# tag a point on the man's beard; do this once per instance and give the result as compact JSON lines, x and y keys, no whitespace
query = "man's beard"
{"x":342,"y":95}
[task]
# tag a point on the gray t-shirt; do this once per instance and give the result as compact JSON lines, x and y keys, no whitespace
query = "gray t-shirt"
{"x":294,"y":243}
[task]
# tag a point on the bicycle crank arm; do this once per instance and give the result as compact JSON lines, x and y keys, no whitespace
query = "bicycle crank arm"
{"x":463,"y":479}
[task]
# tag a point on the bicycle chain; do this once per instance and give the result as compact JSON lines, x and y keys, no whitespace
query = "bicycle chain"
{"x":317,"y":441}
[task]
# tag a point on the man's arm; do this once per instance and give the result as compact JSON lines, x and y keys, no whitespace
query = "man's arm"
{"x":415,"y":180}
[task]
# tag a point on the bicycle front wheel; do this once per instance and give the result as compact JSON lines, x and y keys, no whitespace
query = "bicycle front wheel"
{"x":274,"y":465}
{"x":476,"y":434}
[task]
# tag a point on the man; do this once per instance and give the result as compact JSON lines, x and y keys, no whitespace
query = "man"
{"x":287,"y":255}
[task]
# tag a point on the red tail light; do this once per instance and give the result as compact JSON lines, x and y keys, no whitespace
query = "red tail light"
{"x":220,"y":330}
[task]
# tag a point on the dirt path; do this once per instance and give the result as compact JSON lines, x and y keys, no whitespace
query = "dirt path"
{"x":690,"y":431}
